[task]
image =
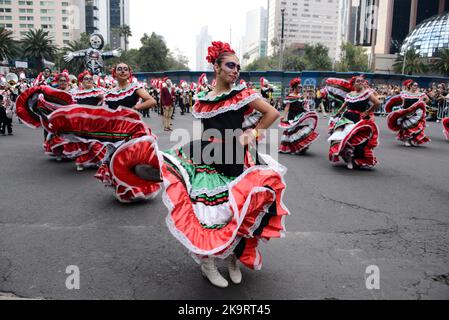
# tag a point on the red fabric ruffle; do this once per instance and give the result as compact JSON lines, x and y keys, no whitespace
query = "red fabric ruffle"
{"x":446,"y":127}
{"x":129,"y":187}
{"x":26,"y":104}
{"x":395,"y":116}
{"x":251,"y":195}
{"x":204,"y":107}
{"x":98,"y":123}
{"x":364,"y":131}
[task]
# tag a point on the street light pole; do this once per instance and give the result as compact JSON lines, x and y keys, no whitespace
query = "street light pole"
{"x":403,"y":62}
{"x":281,"y":59}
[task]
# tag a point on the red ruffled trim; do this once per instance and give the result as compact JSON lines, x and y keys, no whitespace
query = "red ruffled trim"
{"x":395,"y":116}
{"x":203,"y":109}
{"x":129,"y":187}
{"x":104,"y":175}
{"x":393,"y":102}
{"x":25,"y":109}
{"x":365,"y":130}
{"x":339,"y":83}
{"x":94,"y":156}
{"x":250,"y":197}
{"x":107,"y":124}
{"x":82,"y":94}
{"x":446,"y":127}
{"x":300,"y":145}
{"x":115,"y":96}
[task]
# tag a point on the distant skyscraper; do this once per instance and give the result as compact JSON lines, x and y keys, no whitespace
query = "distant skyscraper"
{"x":64,"y":20}
{"x":395,"y":20}
{"x":203,"y":41}
{"x":254,"y":43}
{"x":92,"y":12}
{"x":118,"y":16}
{"x":306,"y":22}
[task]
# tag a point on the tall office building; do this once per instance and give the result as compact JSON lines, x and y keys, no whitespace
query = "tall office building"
{"x":203,"y":41}
{"x":254,"y":43}
{"x":118,"y":16}
{"x":64,"y":20}
{"x":92,"y":16}
{"x":306,"y":22}
{"x":395,"y":20}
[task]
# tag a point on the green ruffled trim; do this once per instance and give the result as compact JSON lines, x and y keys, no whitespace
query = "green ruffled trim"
{"x":202,"y":96}
{"x":203,"y":180}
{"x":343,"y":122}
{"x":214,"y":227}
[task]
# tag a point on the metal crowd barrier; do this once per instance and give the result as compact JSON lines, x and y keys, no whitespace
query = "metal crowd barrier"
{"x":443,"y":110}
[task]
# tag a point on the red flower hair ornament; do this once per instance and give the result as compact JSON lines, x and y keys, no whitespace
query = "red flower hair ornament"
{"x":295,"y":82}
{"x":216,"y":49}
{"x":82,"y":75}
{"x":408,"y":83}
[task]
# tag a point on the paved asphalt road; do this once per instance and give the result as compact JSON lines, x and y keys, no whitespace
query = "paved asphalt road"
{"x":395,"y":217}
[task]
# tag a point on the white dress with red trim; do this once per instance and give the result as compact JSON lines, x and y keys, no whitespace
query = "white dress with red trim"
{"x":218,"y":207}
{"x":408,"y":117}
{"x":354,"y":138}
{"x":299,"y":129}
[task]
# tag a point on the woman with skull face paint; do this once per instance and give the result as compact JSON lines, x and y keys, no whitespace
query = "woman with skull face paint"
{"x":88,"y":94}
{"x":408,"y":115}
{"x":354,"y":134}
{"x":127,"y":93}
{"x":223,"y":198}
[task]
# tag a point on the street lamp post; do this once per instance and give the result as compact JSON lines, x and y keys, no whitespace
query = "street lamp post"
{"x":281,"y":59}
{"x":403,"y":62}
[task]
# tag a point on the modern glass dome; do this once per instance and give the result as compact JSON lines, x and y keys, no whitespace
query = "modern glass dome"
{"x":429,"y":36}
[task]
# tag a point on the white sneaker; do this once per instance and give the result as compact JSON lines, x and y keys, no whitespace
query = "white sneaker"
{"x":350,"y":165}
{"x":210,"y":271}
{"x":407,"y":144}
{"x":234,"y":270}
{"x":79,"y":168}
{"x":58,"y":158}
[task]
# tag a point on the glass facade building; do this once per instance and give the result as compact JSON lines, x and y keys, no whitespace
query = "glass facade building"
{"x":429,"y":36}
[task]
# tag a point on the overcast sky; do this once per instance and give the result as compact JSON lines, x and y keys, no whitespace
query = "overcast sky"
{"x":179,"y":21}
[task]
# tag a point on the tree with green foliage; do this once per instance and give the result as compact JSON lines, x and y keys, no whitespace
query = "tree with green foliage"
{"x":353,"y":58}
{"x":124,"y":32}
{"x":316,"y":57}
{"x":440,"y":63}
{"x":414,"y":63}
{"x":37,"y":45}
{"x":8,"y":46}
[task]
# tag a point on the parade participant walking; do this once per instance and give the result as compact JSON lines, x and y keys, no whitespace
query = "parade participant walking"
{"x":222,"y":207}
{"x":354,"y":134}
{"x":299,"y":123}
{"x":409,"y":120}
{"x":167,"y":104}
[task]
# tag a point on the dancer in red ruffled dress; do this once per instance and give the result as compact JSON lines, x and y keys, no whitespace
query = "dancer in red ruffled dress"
{"x":119,"y":127}
{"x":89,"y":94}
{"x":409,"y":120}
{"x":223,"y":198}
{"x":299,"y":123}
{"x":354,"y":133}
